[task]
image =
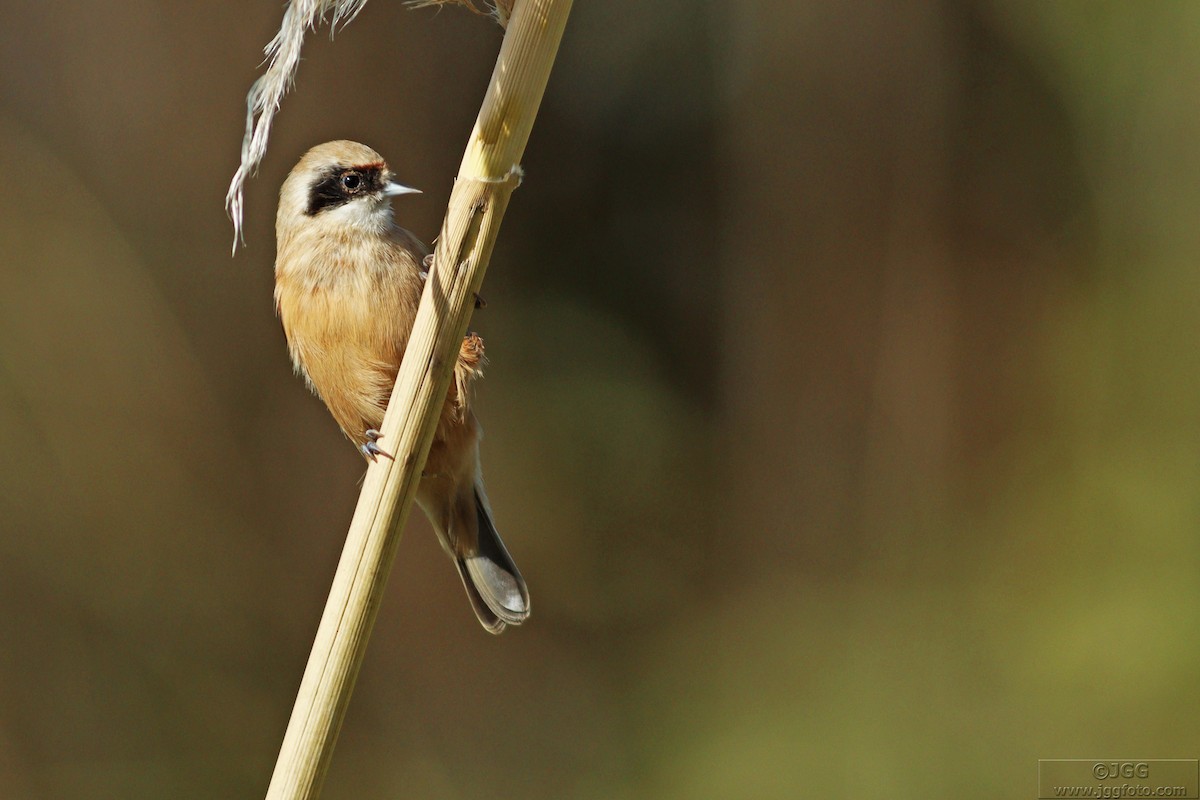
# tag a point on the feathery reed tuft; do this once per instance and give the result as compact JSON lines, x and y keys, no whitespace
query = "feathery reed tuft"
{"x":500,"y":10}
{"x":262,"y":102}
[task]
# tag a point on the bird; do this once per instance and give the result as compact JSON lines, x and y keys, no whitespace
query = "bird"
{"x":348,"y":280}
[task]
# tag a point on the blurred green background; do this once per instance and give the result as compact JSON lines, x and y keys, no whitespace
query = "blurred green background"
{"x":842,"y":410}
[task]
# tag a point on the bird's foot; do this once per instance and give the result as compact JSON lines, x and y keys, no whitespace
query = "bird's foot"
{"x":470,"y":354}
{"x":372,"y":450}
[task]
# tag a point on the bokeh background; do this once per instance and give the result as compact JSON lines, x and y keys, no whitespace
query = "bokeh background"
{"x":842,"y":410}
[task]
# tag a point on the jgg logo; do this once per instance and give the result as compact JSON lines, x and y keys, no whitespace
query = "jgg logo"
{"x":1103,"y":770}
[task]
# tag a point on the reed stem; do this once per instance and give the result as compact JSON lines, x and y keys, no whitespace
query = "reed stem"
{"x":489,"y":172}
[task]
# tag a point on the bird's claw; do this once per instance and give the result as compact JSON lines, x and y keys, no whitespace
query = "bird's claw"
{"x":372,"y":450}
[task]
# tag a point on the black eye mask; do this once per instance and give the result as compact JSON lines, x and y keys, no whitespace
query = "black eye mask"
{"x":339,"y":185}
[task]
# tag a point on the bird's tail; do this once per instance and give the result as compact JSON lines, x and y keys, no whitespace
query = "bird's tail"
{"x":494,"y":584}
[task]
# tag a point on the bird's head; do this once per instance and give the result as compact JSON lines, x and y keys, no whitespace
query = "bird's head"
{"x":339,"y":186}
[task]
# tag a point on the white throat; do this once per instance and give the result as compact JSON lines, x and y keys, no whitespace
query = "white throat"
{"x":365,"y":214}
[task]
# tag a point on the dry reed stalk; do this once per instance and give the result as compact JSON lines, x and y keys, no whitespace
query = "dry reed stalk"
{"x":489,"y":172}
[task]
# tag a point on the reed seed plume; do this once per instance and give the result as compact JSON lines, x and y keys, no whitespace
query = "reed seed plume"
{"x":500,"y":10}
{"x":262,"y":102}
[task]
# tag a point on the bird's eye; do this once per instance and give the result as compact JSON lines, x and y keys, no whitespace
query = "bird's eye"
{"x":352,"y":181}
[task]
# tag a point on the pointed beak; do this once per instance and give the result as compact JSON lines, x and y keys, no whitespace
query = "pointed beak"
{"x":392,"y":189}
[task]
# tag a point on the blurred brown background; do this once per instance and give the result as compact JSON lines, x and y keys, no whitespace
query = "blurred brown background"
{"x":842,"y":412}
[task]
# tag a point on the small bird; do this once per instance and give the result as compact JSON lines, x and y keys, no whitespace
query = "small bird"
{"x":347,"y":283}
